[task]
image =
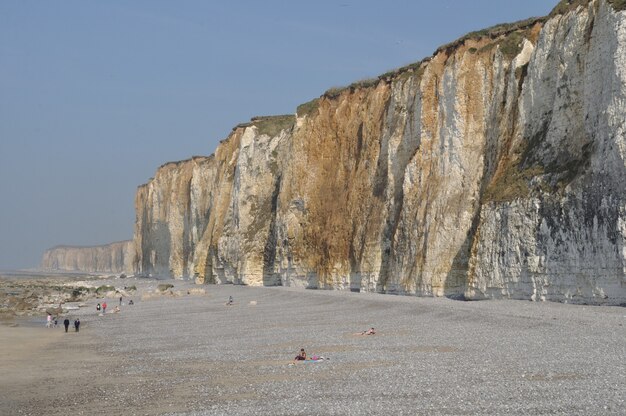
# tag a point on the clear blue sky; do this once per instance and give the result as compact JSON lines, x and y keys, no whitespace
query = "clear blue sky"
{"x":95,"y":95}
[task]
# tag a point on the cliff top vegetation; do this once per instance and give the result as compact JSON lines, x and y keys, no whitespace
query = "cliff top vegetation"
{"x":307,"y":108}
{"x":192,"y":158}
{"x":68,"y":246}
{"x":618,"y":5}
{"x":566,"y":6}
{"x":494,"y":32}
{"x":508,"y":36}
{"x":270,"y":125}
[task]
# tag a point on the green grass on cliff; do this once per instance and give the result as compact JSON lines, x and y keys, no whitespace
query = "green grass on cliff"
{"x":501,"y":32}
{"x":512,"y":183}
{"x":507,"y":36}
{"x":526,"y":173}
{"x":618,"y":5}
{"x":510,"y":45}
{"x":273,"y":125}
{"x":335,"y":92}
{"x":270,"y":125}
{"x":308,"y":108}
{"x":566,"y":6}
{"x":416,"y":69}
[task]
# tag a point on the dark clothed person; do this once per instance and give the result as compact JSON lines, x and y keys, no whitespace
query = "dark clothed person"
{"x":301,"y":356}
{"x":66,"y":323}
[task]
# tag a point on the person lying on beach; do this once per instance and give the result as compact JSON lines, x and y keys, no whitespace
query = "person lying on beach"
{"x":370,"y":331}
{"x":303,"y":357}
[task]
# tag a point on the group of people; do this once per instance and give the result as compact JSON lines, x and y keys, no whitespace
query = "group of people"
{"x":302,"y":354}
{"x":53,"y":322}
{"x":103,"y":307}
{"x":66,"y":324}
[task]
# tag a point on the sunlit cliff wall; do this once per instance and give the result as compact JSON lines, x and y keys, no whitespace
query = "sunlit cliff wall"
{"x":495,"y":168}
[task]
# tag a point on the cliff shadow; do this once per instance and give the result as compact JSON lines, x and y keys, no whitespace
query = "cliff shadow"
{"x":270,"y":277}
{"x":498,"y":147}
{"x":456,"y":278}
{"x":156,"y":259}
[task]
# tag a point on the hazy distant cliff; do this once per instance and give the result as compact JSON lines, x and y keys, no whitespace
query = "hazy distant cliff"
{"x":111,"y":258}
{"x":495,"y":168}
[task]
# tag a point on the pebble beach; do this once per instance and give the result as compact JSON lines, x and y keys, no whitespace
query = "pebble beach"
{"x":188,"y":353}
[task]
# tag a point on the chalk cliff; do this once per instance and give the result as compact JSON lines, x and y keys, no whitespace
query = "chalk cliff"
{"x":116,"y":257}
{"x":493,"y":169}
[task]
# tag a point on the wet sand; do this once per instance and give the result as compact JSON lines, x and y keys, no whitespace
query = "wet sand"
{"x":39,"y":365}
{"x":192,"y":355}
{"x":19,"y":348}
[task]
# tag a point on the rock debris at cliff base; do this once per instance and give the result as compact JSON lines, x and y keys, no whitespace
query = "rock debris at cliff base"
{"x":192,"y":355}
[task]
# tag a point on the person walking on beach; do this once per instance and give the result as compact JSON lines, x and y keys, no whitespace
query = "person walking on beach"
{"x":76,"y":325}
{"x":98,"y":307}
{"x":104,"y":307}
{"x":120,"y":301}
{"x":66,"y":323}
{"x":49,"y":323}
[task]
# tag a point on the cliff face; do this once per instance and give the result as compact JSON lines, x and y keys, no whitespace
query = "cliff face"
{"x":111,"y":258}
{"x":496,"y":168}
{"x":565,"y":239}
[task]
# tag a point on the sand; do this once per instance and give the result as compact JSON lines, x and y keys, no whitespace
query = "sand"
{"x":192,"y":355}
